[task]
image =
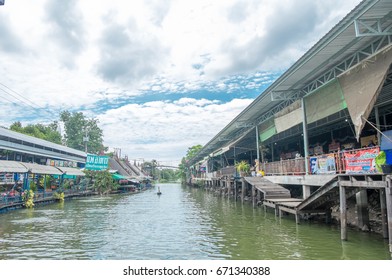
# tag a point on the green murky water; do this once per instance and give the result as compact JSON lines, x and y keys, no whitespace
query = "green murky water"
{"x":182,"y":223}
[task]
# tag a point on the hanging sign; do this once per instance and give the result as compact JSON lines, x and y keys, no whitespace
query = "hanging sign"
{"x":94,"y":162}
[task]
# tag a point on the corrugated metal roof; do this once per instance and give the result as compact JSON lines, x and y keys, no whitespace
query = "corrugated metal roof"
{"x":71,"y":171}
{"x":336,"y":46}
{"x":30,"y":139}
{"x":12,"y":167}
{"x":41,"y":169}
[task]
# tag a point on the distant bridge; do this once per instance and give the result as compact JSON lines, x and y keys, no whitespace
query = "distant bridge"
{"x":168,"y":166}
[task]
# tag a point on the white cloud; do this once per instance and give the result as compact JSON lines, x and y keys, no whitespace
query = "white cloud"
{"x":164,"y":130}
{"x":94,"y":56}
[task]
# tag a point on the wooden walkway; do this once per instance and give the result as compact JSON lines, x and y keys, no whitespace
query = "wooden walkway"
{"x":269,"y":189}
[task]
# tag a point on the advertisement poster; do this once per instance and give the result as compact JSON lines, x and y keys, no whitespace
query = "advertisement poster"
{"x":361,"y":161}
{"x":323,"y":164}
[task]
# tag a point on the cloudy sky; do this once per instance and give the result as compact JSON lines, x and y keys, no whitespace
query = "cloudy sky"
{"x":160,"y":76}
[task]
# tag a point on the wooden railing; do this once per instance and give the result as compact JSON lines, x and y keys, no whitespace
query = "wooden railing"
{"x":331,"y":163}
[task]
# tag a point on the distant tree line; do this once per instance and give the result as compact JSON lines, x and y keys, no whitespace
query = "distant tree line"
{"x":76,"y":127}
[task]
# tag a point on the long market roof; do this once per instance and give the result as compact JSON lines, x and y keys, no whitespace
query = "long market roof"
{"x":9,"y":166}
{"x":48,"y":148}
{"x":340,"y":49}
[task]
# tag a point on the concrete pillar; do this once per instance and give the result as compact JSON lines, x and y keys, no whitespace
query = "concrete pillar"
{"x":305,"y":191}
{"x":305,"y":135}
{"x":384,"y":218}
{"x":388,"y":196}
{"x":362,"y":209}
{"x":343,"y":213}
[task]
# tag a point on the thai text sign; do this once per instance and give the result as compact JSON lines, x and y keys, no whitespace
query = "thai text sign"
{"x":95,"y":162}
{"x":361,"y":161}
{"x":323,"y":164}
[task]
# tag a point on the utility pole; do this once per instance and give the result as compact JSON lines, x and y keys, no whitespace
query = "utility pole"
{"x":85,"y":139}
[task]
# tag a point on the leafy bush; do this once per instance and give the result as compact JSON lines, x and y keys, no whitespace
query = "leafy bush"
{"x":59,"y":196}
{"x":28,"y":199}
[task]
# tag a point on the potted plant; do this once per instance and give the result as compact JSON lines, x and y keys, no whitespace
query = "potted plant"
{"x":243,"y":167}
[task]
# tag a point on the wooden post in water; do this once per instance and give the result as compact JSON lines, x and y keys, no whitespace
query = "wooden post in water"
{"x":253,"y":196}
{"x":388,"y":196}
{"x":296,"y":218}
{"x":235,"y":189}
{"x":384,"y":218}
{"x":228,"y":187}
{"x":343,"y":213}
{"x":243,"y":189}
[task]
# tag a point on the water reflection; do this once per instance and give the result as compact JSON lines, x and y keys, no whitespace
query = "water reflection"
{"x":182,"y":223}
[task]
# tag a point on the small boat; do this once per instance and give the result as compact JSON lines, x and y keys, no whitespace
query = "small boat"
{"x":159,"y":191}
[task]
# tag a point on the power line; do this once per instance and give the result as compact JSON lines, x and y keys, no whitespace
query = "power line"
{"x":26,"y":101}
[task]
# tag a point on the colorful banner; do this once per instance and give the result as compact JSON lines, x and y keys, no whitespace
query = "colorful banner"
{"x":323,"y":164}
{"x":361,"y":161}
{"x":94,"y":162}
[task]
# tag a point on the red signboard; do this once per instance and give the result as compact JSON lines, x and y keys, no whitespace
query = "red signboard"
{"x":361,"y":161}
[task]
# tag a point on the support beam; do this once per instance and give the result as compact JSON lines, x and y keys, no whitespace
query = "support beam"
{"x":388,"y":195}
{"x":384,"y":218}
{"x":305,"y":191}
{"x":235,"y":189}
{"x":257,"y":143}
{"x":371,"y":27}
{"x":377,"y":125}
{"x":305,"y":135}
{"x":243,"y":189}
{"x":343,"y":213}
{"x":253,"y":196}
{"x":362,"y":209}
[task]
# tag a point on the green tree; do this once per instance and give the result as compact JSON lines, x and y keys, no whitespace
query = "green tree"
{"x":77,"y":126}
{"x":193,"y":151}
{"x":45,"y":132}
{"x":103,"y":181}
{"x":183,"y":167}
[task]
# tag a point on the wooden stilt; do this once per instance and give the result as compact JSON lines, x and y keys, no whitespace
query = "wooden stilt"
{"x":296,"y":218}
{"x":388,"y":196}
{"x":343,"y":213}
{"x":243,"y":189}
{"x":253,"y":196}
{"x":384,"y":218}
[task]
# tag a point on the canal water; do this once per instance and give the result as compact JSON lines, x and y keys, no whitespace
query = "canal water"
{"x":181,"y":224}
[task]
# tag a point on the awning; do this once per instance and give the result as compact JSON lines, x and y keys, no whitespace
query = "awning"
{"x":119,"y":177}
{"x":12,"y":166}
{"x":362,"y":85}
{"x":71,"y":171}
{"x":41,"y":169}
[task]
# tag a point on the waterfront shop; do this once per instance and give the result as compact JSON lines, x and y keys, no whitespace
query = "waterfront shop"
{"x":319,"y":133}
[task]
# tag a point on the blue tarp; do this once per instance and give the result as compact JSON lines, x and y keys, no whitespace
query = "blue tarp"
{"x":386,"y":144}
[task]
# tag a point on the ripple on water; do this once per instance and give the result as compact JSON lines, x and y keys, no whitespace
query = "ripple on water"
{"x":181,"y":224}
